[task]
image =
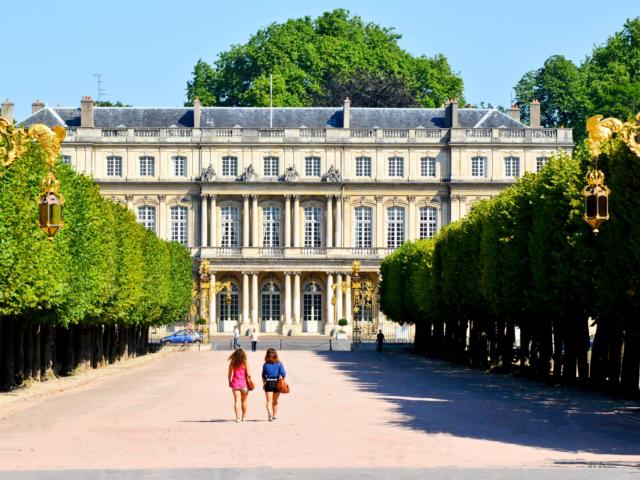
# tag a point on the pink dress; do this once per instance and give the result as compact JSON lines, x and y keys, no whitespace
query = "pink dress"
{"x":239,"y":378}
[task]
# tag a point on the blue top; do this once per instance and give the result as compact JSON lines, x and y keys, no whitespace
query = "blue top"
{"x":273,"y":370}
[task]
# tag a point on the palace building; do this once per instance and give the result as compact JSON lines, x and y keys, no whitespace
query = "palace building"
{"x":281,"y":201}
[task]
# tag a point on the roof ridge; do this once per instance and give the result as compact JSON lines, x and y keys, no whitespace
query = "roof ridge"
{"x":512,"y":119}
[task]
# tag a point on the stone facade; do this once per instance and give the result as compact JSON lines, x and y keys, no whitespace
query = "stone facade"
{"x":282,"y":201}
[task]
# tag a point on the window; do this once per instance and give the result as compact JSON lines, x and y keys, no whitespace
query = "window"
{"x":179,"y":166}
{"x":512,"y":167}
{"x":312,"y":304}
{"x":66,"y":159}
{"x":271,"y":226}
{"x":396,"y":167}
{"x":270,"y":302}
{"x":229,"y":226}
{"x":114,"y":166}
{"x":428,"y":166}
{"x":229,"y":166}
{"x":395,"y":227}
{"x":363,"y":166}
{"x":428,"y":222}
{"x":271,"y":166}
{"x":229,"y":312}
{"x":147,"y":166}
{"x":312,"y":227}
{"x":147,"y":217}
{"x":541,"y":162}
{"x":479,"y":166}
{"x":312,"y":166}
{"x":362,"y":232}
{"x":179,"y":224}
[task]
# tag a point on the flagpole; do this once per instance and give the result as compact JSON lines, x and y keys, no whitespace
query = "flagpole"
{"x":270,"y":100}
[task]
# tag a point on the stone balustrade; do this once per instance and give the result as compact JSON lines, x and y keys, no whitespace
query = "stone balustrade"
{"x":324,"y":135}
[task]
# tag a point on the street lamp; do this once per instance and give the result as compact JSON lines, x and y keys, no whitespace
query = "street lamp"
{"x":13,"y":143}
{"x":596,"y":200}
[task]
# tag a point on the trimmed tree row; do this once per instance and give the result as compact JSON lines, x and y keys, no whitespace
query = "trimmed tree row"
{"x":526,"y":263}
{"x":89,"y":296}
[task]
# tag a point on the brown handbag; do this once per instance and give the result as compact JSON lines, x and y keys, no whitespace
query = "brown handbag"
{"x":282,"y":387}
{"x":250,"y":384}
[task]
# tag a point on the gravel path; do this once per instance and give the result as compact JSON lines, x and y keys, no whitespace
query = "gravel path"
{"x":357,"y":410}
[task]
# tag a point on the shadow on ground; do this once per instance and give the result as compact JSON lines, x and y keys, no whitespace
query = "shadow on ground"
{"x":438,"y":397}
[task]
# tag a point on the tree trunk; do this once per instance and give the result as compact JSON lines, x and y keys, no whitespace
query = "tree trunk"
{"x":28,"y":349}
{"x":600,"y":353}
{"x":631,"y":360}
{"x":35,"y":365}
{"x":47,"y":347}
{"x":7,"y":375}
{"x":19,"y":328}
{"x":582,"y":349}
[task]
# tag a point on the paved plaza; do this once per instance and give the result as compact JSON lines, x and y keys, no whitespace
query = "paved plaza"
{"x":361,"y":414}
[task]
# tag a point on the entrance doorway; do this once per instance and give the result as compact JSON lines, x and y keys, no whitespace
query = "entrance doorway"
{"x":312,"y":308}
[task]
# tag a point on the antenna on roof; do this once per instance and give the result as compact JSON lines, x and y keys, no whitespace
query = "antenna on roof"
{"x":270,"y":100}
{"x":101,"y":91}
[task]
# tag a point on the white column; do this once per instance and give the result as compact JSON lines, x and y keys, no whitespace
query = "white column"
{"x":296,"y":221}
{"x":163,"y":217}
{"x":411,"y":226}
{"x":203,"y":221}
{"x":287,"y":298}
{"x":212,"y":304}
{"x":296,"y":297}
{"x":254,"y":298}
{"x":348,"y":307}
{"x":213,"y":219}
{"x":245,"y":221}
{"x":379,"y":237}
{"x":254,"y":221}
{"x":245,"y":297}
{"x":287,"y":221}
{"x":328,"y":324}
{"x":338,"y":242}
{"x":339,"y":297}
{"x":329,"y":222}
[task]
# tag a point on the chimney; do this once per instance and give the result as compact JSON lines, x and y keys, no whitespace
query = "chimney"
{"x":346,"y":113}
{"x":514,"y":112}
{"x":7,"y":111}
{"x":36,"y":106}
{"x":451,"y":114}
{"x":534,"y":114}
{"x":86,"y":112}
{"x":196,"y":113}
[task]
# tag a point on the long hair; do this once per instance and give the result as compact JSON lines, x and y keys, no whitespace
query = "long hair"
{"x":271,"y":356}
{"x":238,"y":358}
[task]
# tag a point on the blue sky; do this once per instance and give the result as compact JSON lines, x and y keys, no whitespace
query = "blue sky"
{"x":146,"y":50}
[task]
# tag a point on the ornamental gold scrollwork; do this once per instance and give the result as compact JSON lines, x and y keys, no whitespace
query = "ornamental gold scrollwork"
{"x":601,"y":130}
{"x":14,"y":141}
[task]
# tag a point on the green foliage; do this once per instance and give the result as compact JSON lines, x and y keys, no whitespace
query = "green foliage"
{"x":102,"y":267}
{"x":108,"y":103}
{"x":316,"y":62}
{"x":607,"y":83}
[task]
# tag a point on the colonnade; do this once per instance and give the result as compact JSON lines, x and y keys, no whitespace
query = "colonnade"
{"x":291,"y":313}
{"x":251,"y":221}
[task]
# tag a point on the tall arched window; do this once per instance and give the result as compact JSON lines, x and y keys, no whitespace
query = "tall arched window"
{"x":229,"y":226}
{"x":228,"y":312}
{"x":271,"y":226}
{"x":312,"y":307}
{"x":270,"y":302}
{"x":395,"y":227}
{"x":147,"y":217}
{"x":362,"y":232}
{"x":179,"y":231}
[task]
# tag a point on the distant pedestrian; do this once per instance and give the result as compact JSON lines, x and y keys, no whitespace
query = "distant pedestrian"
{"x":379,"y":341}
{"x":239,"y":379}
{"x":236,"y":338}
{"x":272,"y":371}
{"x":254,"y":339}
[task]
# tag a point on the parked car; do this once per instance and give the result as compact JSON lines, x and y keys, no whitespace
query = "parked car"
{"x":182,"y":336}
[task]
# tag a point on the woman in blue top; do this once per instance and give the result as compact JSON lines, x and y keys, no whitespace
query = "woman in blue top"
{"x":272,"y":370}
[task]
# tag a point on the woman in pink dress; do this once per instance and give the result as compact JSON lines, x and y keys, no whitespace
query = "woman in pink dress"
{"x":238,"y":381}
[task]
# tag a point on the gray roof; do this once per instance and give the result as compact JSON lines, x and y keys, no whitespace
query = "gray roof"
{"x":259,"y":117}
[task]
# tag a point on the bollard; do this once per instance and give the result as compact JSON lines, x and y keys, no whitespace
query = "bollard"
{"x":330,"y":346}
{"x":280,"y":344}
